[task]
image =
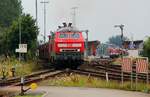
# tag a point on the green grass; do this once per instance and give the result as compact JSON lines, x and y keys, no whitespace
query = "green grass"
{"x":21,"y":68}
{"x":84,"y":81}
{"x":31,"y":95}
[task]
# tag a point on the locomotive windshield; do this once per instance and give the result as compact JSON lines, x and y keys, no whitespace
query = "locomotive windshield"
{"x":69,"y":35}
{"x":63,"y":35}
{"x":75,"y":35}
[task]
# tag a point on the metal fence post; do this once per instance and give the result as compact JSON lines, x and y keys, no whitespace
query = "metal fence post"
{"x":22,"y":83}
{"x":147,"y":73}
{"x":132,"y":75}
{"x":136,"y":81}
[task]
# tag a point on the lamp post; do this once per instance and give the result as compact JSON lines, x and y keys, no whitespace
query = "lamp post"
{"x":20,"y":35}
{"x":121,"y":28}
{"x":44,"y":2}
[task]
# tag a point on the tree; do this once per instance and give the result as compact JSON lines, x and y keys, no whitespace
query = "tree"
{"x":3,"y":40}
{"x":116,"y":40}
{"x":29,"y":32}
{"x":10,"y":11}
{"x":146,"y":48}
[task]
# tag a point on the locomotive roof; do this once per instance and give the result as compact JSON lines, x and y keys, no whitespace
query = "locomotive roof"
{"x":68,"y":29}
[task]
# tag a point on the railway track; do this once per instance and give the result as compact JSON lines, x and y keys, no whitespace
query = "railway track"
{"x":34,"y":77}
{"x":99,"y":68}
{"x":101,"y":75}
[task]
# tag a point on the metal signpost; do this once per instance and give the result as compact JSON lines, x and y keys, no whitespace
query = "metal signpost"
{"x":22,"y":83}
{"x":32,"y":86}
{"x":22,"y":49}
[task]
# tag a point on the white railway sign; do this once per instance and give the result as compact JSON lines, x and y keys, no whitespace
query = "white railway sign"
{"x":22,"y":48}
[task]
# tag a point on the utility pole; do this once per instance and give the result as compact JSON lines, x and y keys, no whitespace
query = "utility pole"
{"x":86,"y":42}
{"x":121,"y":28}
{"x":44,"y":2}
{"x":36,"y":12}
{"x":74,"y":16}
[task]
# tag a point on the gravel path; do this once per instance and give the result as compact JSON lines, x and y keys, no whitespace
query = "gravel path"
{"x":88,"y":92}
{"x":80,"y":92}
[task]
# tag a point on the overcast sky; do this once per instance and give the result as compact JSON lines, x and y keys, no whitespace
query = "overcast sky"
{"x":98,"y":16}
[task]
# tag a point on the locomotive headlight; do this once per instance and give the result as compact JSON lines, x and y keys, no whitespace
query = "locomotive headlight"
{"x":78,"y":50}
{"x":76,"y":45}
{"x":61,"y":50}
{"x":62,"y":45}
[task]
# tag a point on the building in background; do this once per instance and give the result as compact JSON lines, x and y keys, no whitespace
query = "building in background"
{"x":135,"y":48}
{"x":92,"y":47}
{"x":137,"y":44}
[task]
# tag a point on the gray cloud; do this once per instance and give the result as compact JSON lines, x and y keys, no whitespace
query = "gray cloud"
{"x":99,"y":16}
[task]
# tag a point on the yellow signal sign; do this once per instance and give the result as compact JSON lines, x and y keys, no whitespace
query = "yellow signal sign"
{"x":33,"y":86}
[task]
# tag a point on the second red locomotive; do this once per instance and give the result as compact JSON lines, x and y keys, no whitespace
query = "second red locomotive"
{"x":66,"y":45}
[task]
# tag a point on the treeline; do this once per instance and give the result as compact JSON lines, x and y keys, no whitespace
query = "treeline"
{"x":116,"y":40}
{"x":10,"y":18}
{"x":146,"y":48}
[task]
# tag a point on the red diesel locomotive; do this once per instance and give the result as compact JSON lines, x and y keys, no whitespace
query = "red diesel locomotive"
{"x":65,"y":46}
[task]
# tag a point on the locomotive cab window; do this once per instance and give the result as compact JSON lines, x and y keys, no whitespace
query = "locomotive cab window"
{"x":63,"y":35}
{"x":75,"y":35}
